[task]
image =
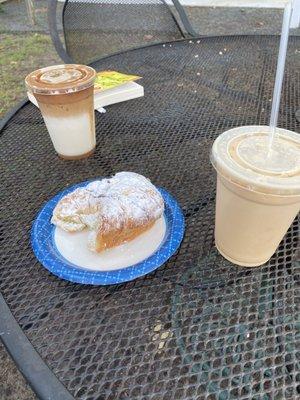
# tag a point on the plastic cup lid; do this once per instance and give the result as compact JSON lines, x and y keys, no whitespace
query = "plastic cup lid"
{"x":242,"y":155}
{"x":60,"y":79}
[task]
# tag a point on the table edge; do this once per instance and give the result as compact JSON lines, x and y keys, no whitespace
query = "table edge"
{"x":39,"y":376}
{"x":42,"y":380}
{"x":8,"y":116}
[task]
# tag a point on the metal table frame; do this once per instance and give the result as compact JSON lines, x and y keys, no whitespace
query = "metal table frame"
{"x":39,"y":376}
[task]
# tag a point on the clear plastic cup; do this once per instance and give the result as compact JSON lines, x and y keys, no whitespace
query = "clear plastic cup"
{"x":258,"y":192}
{"x":65,"y":95}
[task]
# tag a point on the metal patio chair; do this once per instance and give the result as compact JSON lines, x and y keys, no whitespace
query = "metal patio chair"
{"x":96,"y":28}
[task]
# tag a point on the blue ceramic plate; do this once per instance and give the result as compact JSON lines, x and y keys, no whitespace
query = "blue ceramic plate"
{"x":45,"y":250}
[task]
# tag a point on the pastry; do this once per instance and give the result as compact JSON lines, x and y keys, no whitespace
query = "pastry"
{"x":114,"y":210}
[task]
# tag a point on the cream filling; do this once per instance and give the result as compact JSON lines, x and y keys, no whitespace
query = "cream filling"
{"x":73,"y":247}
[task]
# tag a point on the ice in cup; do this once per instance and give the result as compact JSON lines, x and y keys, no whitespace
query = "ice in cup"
{"x":65,"y":95}
{"x":258,"y":192}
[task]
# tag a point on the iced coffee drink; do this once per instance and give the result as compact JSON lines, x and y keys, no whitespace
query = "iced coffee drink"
{"x":65,"y":95}
{"x":258,"y":192}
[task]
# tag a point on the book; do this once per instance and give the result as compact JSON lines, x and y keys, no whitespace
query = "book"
{"x":111,"y":87}
{"x":109,"y":79}
{"x":118,"y":94}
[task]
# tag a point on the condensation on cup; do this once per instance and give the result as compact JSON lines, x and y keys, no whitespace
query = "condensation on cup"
{"x":258,"y":192}
{"x":65,"y":95}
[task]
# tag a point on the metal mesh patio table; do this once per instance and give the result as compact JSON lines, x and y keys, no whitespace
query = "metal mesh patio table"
{"x":199,"y":327}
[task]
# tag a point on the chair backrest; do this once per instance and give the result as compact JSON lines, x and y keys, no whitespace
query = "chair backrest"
{"x":96,"y":28}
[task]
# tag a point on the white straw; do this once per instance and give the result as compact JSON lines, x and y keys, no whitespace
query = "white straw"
{"x":280,"y":70}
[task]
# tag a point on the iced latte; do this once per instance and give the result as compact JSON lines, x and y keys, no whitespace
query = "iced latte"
{"x":65,"y":95}
{"x":258,"y":192}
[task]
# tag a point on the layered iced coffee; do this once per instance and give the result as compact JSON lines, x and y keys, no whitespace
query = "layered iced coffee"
{"x":258,"y":192}
{"x":65,"y":95}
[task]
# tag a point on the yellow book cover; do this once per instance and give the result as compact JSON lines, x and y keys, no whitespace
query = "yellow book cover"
{"x":110,"y":79}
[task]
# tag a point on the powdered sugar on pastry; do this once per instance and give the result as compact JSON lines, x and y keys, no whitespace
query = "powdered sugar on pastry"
{"x":73,"y":211}
{"x":120,"y":204}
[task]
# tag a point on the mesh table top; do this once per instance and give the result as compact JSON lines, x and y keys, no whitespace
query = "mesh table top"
{"x":198,"y":327}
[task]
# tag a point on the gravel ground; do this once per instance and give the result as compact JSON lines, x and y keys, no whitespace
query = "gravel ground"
{"x":13,"y":16}
{"x":207,"y":21}
{"x":12,"y":384}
